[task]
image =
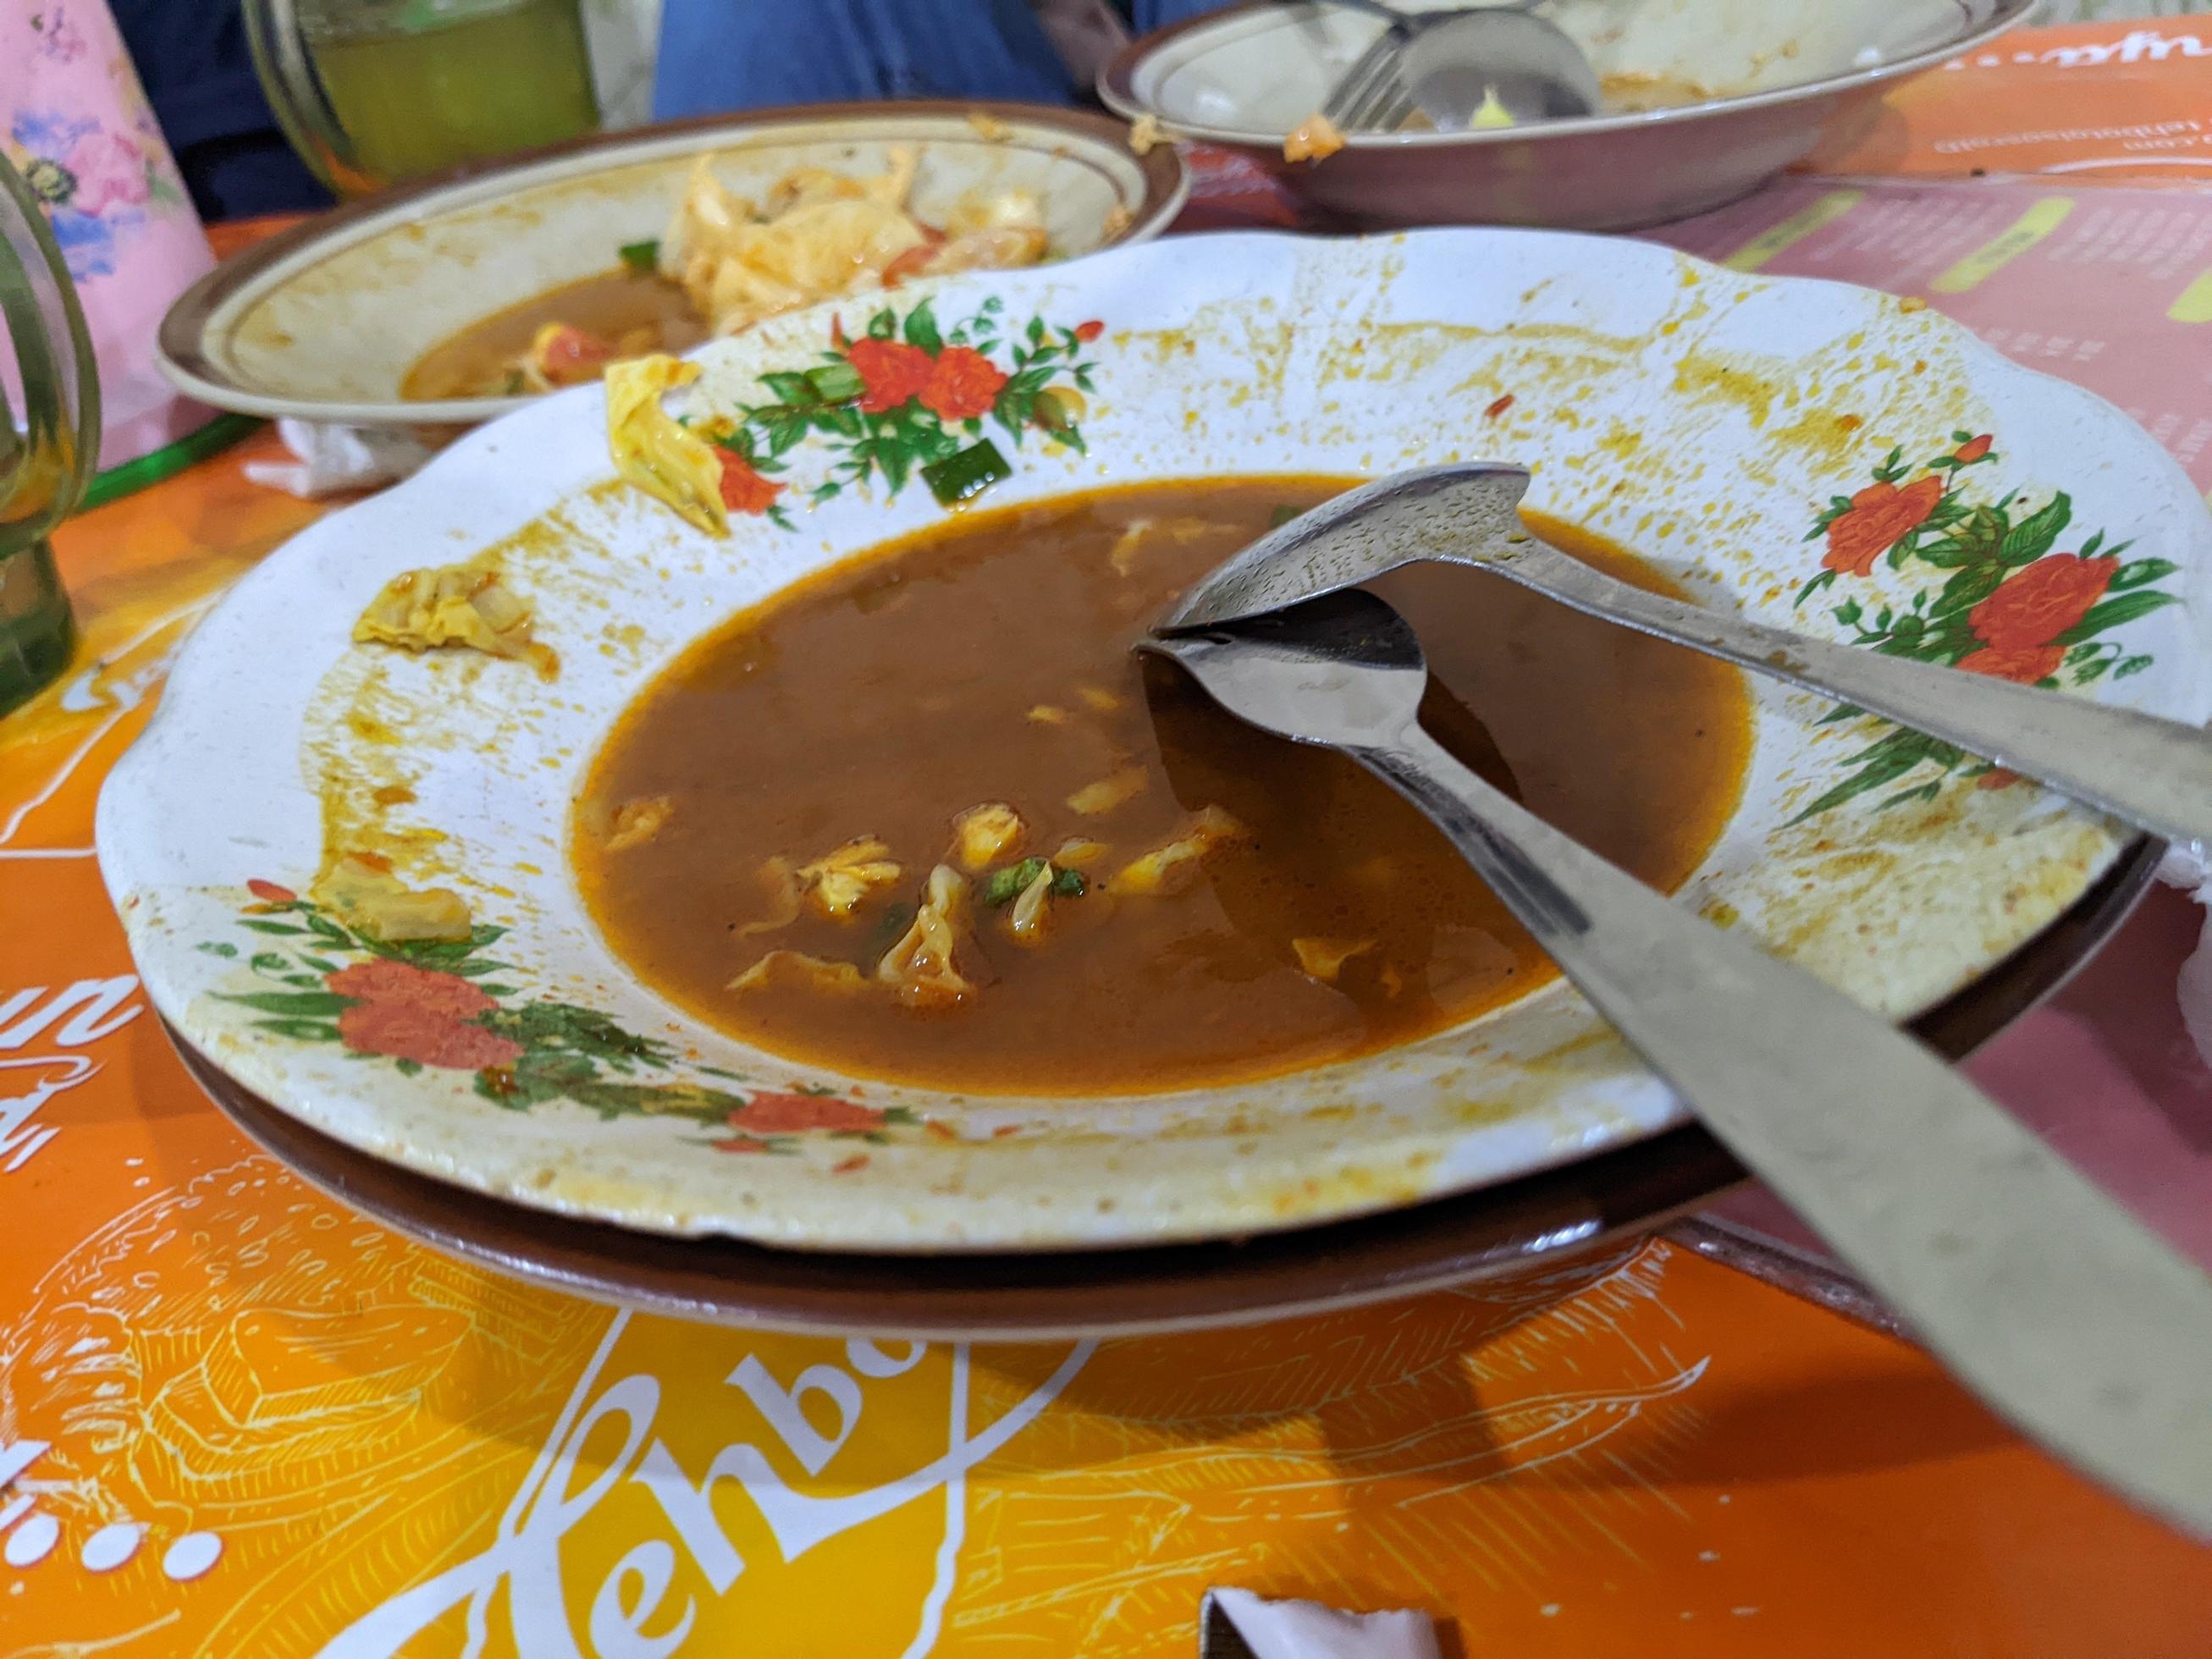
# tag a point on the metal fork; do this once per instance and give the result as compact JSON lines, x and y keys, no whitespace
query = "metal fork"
{"x":2042,"y":1294}
{"x":1370,"y":96}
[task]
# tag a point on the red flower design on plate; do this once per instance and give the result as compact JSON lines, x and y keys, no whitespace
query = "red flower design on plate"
{"x":2028,"y":664}
{"x":744,"y":489}
{"x":270,"y":893}
{"x":447,"y":995}
{"x":1972,"y":450}
{"x":1089,"y":332}
{"x":2042,"y":601}
{"x":963,"y":384}
{"x":1878,"y":517}
{"x":890,"y":373}
{"x":407,"y":1033}
{"x":783,"y":1115}
{"x":419,"y":1014}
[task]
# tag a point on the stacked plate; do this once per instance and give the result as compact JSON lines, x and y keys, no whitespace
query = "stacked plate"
{"x":533,"y":1091}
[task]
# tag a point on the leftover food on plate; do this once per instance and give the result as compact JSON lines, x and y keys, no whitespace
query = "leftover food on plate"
{"x":923,"y":817}
{"x":1314,"y":139}
{"x":659,"y":454}
{"x":360,"y":890}
{"x":563,"y":337}
{"x":1628,"y":92}
{"x":467,"y":606}
{"x":723,"y":264}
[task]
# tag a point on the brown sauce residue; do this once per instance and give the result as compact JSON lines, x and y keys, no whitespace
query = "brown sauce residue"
{"x":987,"y":660}
{"x":635,"y":312}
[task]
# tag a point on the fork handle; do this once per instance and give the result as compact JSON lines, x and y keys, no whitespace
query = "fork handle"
{"x":2153,"y":772}
{"x":2041,"y":1292}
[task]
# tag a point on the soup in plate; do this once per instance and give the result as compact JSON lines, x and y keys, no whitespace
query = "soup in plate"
{"x":925,"y":817}
{"x":725,"y":263}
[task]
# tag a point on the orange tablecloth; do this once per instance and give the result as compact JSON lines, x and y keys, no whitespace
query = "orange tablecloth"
{"x":241,"y":1421}
{"x":236,"y":1419}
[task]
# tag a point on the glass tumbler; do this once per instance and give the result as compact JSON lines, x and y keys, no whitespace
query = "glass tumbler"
{"x":371,"y":92}
{"x":49,"y":440}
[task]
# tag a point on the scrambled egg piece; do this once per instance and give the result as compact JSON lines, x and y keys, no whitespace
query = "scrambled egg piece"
{"x":638,"y":822}
{"x":458,"y":604}
{"x":360,"y":888}
{"x":840,"y":879}
{"x":1125,"y":784}
{"x":1002,"y":233}
{"x":1076,"y":853}
{"x":984,"y":835}
{"x":1169,"y":869}
{"x":1147,"y":134}
{"x":821,"y":235}
{"x":651,"y":451}
{"x":837,"y":882}
{"x":920,"y":968}
{"x":1324,"y":958}
{"x":1313,"y":139}
{"x":812,"y":972}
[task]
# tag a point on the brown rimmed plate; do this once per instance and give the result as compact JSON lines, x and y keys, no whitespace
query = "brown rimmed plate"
{"x":323,"y":322}
{"x":1749,"y":90}
{"x":1039,"y":1296}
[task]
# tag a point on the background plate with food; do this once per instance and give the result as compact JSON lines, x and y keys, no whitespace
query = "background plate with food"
{"x":665,"y":809}
{"x":455,"y":300}
{"x":1703,"y":101}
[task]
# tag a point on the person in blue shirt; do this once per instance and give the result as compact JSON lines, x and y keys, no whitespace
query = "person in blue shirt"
{"x":192,"y":59}
{"x":718,"y":55}
{"x":715,"y":55}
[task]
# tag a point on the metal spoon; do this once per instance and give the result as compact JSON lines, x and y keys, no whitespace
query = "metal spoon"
{"x":2043,"y":1296}
{"x":1497,"y":59}
{"x":1456,"y":65}
{"x":2153,"y":772}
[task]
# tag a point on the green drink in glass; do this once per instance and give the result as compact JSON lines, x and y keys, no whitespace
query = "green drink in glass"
{"x":49,"y":440}
{"x":371,"y":92}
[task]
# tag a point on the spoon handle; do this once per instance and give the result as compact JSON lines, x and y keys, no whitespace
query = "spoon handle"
{"x":2043,"y":1295}
{"x":2153,"y":772}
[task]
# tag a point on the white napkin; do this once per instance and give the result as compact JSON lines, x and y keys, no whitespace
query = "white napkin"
{"x":334,"y":458}
{"x":1306,"y":1630}
{"x":2186,"y":865}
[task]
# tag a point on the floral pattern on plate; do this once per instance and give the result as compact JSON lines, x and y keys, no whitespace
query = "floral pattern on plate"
{"x":439,"y":1004}
{"x":909,"y":397}
{"x":1997,"y":601}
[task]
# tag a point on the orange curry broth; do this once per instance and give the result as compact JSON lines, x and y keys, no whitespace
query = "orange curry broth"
{"x":889,"y":694}
{"x":633,"y":311}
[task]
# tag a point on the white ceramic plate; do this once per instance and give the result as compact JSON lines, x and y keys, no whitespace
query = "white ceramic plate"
{"x":323,"y":322}
{"x":1752,"y":435}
